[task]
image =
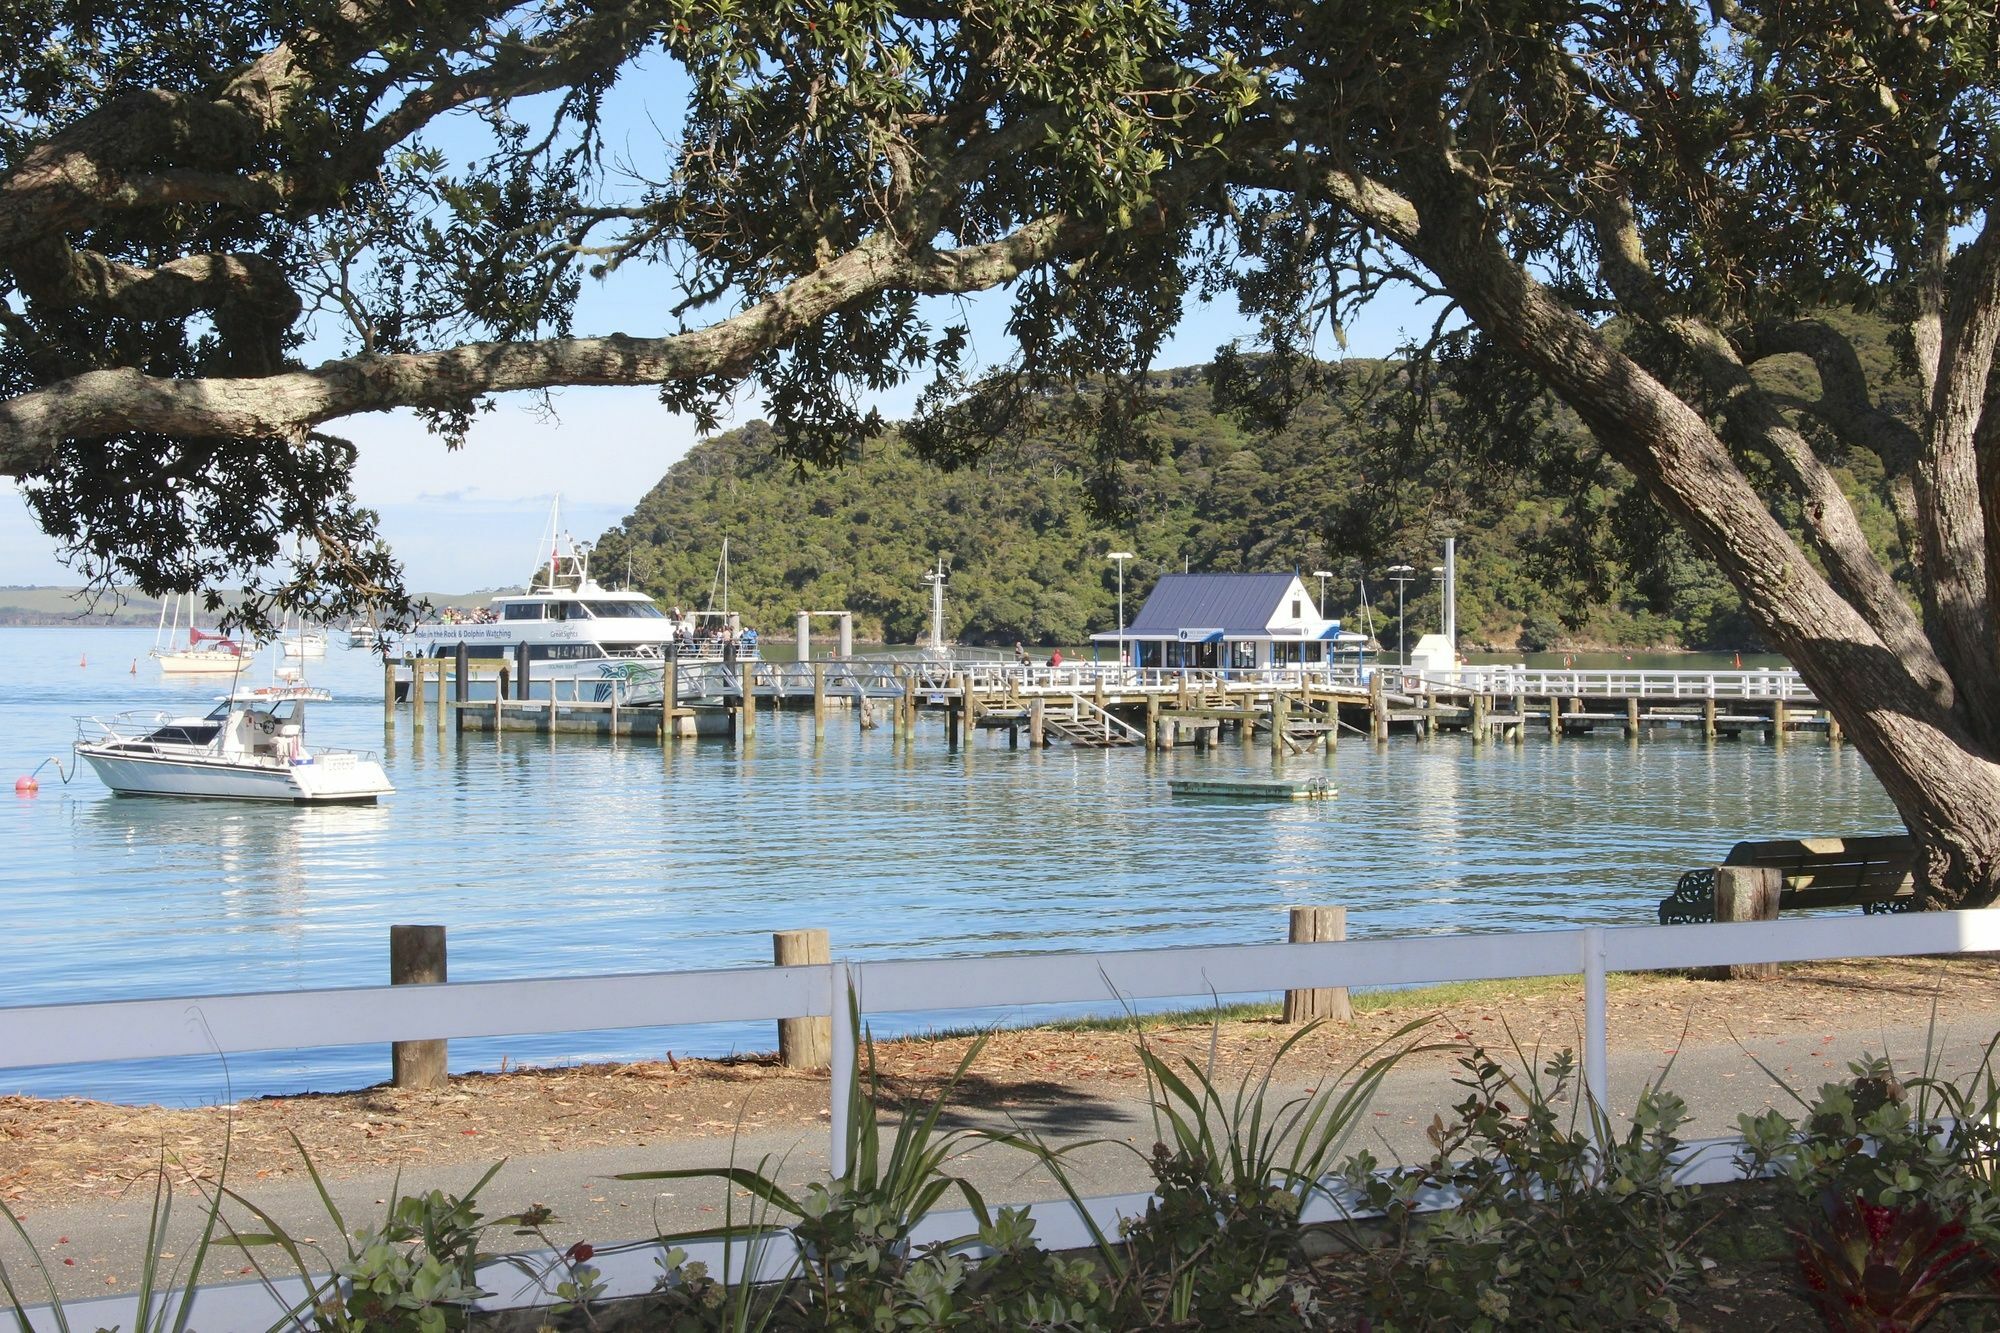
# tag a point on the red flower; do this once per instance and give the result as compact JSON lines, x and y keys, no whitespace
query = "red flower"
{"x":579,"y":1253}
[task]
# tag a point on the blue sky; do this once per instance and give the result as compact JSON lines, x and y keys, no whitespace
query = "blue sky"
{"x":471,"y":519}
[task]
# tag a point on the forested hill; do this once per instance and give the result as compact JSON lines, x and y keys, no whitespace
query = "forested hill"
{"x":1027,"y":562}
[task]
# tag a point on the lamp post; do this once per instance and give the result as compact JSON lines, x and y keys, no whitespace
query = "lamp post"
{"x":1322,"y":575}
{"x":1119,"y":558}
{"x":1400,"y":575}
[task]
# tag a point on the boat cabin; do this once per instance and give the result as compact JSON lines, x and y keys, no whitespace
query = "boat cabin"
{"x":1224,"y":622}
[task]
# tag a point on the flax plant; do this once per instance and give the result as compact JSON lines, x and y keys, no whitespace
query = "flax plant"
{"x":855,"y":1229}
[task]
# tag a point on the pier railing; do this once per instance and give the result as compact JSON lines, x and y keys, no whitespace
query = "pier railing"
{"x":1764,"y":684}
{"x":103,"y":1031}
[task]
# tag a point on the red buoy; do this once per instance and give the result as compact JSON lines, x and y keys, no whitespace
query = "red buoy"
{"x":26,"y":786}
{"x":84,"y":661}
{"x":135,"y":666}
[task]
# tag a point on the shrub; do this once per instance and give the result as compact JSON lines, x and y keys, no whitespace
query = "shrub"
{"x":1557,"y":1222}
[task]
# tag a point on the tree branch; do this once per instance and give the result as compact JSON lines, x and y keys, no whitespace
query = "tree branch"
{"x":104,"y":403}
{"x":1758,"y":425}
{"x":1950,"y":515}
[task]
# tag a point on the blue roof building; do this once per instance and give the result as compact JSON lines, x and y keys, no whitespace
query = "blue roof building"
{"x":1230,"y":621}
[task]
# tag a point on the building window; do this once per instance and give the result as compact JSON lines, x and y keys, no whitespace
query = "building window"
{"x":1295,"y":608}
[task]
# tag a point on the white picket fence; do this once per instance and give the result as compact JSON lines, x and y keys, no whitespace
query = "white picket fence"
{"x":75,"y":1034}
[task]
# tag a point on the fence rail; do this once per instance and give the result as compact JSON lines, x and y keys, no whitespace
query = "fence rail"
{"x":109,"y":1030}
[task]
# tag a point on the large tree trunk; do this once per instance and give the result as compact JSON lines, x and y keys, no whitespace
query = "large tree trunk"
{"x":1942,"y":777}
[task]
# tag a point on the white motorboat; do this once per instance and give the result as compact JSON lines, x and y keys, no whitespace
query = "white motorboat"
{"x":303,"y":643}
{"x":250,"y":747}
{"x":204,"y":654}
{"x":360,"y":635}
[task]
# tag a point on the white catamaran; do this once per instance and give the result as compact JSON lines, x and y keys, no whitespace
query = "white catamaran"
{"x":575,"y":629}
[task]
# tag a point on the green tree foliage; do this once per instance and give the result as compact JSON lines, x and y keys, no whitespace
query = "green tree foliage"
{"x":1335,"y":486}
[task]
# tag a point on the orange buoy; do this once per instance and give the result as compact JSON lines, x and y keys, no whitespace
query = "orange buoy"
{"x":135,"y":666}
{"x":84,"y":661}
{"x":26,"y":786}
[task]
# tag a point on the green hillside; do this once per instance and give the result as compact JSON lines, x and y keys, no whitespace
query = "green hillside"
{"x":1331,"y":490}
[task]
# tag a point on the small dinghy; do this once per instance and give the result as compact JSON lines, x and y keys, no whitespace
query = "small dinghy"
{"x":1255,"y":789}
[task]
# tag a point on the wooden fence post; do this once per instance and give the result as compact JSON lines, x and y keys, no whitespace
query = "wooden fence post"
{"x":417,"y":958}
{"x":388,"y":689}
{"x":803,"y":1043}
{"x":1316,"y":925}
{"x":1746,"y":893}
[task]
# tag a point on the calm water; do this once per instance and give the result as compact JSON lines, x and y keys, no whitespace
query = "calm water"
{"x":568,"y":856}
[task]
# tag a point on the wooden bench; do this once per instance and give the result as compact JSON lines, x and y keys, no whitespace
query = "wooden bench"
{"x":1875,"y":873}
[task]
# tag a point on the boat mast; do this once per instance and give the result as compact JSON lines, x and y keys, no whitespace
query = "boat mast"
{"x":550,"y":539}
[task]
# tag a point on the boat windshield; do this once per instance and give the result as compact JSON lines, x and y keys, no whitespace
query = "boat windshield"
{"x":626,"y":610}
{"x":185,"y":733}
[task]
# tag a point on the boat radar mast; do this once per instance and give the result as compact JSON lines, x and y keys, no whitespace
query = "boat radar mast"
{"x":568,"y":565}
{"x":936,"y":578}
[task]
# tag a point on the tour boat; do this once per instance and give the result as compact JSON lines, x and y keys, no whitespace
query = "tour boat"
{"x":250,"y":747}
{"x":575,"y":629}
{"x":205,"y":654}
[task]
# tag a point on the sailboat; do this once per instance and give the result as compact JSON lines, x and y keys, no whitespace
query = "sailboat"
{"x":715,"y":626}
{"x":205,"y":654}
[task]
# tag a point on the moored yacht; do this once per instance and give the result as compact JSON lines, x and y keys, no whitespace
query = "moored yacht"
{"x":250,"y":747}
{"x":204,"y":655}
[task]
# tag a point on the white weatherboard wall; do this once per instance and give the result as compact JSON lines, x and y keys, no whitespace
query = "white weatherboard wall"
{"x":125,"y":1029}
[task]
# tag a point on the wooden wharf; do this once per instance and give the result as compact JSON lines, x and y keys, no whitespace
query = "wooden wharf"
{"x":1105,"y":705}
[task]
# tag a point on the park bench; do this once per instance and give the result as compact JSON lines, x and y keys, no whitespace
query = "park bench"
{"x":1874,"y":873}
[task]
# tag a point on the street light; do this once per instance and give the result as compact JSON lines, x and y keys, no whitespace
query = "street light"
{"x":1400,"y":575}
{"x":1322,"y":575}
{"x":1119,"y":558}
